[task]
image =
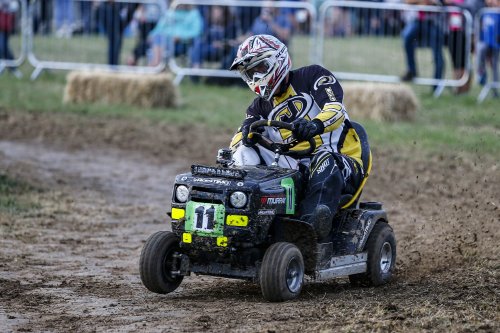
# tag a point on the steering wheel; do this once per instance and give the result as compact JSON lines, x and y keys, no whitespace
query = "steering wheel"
{"x":281,"y":148}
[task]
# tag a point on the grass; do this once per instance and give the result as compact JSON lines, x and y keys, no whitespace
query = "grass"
{"x":201,"y":103}
{"x":449,"y":123}
{"x":377,"y":54}
{"x":455,"y":123}
{"x":14,"y":196}
{"x":77,"y":49}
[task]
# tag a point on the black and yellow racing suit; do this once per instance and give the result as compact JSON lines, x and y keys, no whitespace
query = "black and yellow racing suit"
{"x":313,"y":92}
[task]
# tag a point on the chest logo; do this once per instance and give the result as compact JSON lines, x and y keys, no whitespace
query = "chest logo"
{"x":291,"y":109}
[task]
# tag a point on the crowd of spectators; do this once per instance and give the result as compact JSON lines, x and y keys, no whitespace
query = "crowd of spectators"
{"x":434,"y":30}
{"x":211,"y":34}
{"x":201,"y":33}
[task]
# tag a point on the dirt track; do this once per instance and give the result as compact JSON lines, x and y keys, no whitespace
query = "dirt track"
{"x":72,"y":265}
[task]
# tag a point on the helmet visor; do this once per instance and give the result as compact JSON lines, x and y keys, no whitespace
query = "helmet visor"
{"x":256,"y":71}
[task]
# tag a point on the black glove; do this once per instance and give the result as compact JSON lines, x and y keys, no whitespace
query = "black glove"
{"x":245,"y":129}
{"x":303,"y":130}
{"x":244,"y":132}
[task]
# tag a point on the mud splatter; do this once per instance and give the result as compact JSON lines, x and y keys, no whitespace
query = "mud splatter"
{"x":72,"y":265}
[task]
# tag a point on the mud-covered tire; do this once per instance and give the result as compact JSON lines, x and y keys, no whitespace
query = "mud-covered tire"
{"x":381,"y":248}
{"x":156,"y":262}
{"x":282,"y":272}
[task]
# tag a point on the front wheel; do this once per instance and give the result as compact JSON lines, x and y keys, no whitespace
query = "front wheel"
{"x":282,"y":272}
{"x":156,"y":263}
{"x":381,"y":248}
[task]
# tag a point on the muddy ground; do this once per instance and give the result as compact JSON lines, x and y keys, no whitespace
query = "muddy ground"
{"x":72,"y":263}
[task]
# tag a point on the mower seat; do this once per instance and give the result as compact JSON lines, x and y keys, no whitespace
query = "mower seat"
{"x":348,"y":200}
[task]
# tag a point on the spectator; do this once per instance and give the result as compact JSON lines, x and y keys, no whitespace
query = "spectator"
{"x":296,"y":17}
{"x":275,"y":22}
{"x":271,"y":21}
{"x":85,"y":20}
{"x":8,"y":9}
{"x":219,"y":37}
{"x":246,"y":16}
{"x":457,"y":44}
{"x":177,"y":29}
{"x":424,"y":30}
{"x":147,"y":16}
{"x":302,"y":21}
{"x":115,"y":17}
{"x":392,"y":21}
{"x":42,"y":16}
{"x":64,"y":18}
{"x":370,"y":20}
{"x":338,"y":22}
{"x":489,"y":44}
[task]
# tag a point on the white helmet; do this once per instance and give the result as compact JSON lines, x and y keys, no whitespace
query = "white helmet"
{"x":263,"y":63}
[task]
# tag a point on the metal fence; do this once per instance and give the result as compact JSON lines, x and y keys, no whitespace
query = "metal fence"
{"x":393,"y":40}
{"x":92,"y":35}
{"x":227,"y":22}
{"x":357,"y":40}
{"x":13,"y":23}
{"x":487,"y":31}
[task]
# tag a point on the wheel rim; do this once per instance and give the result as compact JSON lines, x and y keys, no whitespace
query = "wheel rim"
{"x":167,"y":264}
{"x":294,"y":275}
{"x":386,"y":257}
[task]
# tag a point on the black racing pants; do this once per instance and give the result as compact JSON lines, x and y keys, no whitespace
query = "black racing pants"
{"x":330,"y":175}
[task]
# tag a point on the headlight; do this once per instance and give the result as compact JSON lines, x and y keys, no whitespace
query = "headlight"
{"x":238,"y":199}
{"x":181,"y":193}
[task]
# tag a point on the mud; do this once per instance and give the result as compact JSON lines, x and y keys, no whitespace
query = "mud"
{"x":72,"y":264}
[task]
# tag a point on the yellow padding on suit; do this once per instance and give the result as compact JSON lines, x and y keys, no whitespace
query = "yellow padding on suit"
{"x":360,"y":188}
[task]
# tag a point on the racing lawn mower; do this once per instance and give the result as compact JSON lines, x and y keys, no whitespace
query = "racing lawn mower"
{"x":242,"y":222}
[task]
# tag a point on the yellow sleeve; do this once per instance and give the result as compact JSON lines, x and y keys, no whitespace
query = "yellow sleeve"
{"x":236,"y":140}
{"x":332,"y":116}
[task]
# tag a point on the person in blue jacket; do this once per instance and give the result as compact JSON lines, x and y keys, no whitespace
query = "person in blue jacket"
{"x":489,"y":44}
{"x":177,"y":29}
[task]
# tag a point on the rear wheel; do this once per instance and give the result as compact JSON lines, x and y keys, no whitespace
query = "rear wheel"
{"x":282,"y":272}
{"x":156,"y":263}
{"x":381,"y":248}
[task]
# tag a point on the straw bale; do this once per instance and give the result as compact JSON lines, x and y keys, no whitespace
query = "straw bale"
{"x":380,"y":102}
{"x":142,"y":90}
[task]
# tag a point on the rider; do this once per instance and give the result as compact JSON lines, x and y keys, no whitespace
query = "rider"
{"x":311,"y":99}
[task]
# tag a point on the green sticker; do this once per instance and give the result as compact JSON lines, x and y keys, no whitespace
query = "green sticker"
{"x":289,"y":187}
{"x":205,"y":219}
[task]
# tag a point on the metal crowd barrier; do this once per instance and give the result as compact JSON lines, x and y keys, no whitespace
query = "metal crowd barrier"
{"x":201,"y":58}
{"x":368,"y":45}
{"x":485,"y":51}
{"x":13,"y":51}
{"x":98,"y":40}
{"x":356,"y":40}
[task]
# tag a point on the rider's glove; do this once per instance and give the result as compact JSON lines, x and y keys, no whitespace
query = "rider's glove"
{"x":303,"y":130}
{"x":244,"y":132}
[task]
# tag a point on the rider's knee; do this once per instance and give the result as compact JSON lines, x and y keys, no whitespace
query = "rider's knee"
{"x":246,"y":156}
{"x":322,"y":165}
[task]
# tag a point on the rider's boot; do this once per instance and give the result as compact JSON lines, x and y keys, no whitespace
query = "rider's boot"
{"x":321,"y":220}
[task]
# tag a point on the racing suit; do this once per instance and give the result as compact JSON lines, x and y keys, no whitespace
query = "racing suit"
{"x":335,"y":167}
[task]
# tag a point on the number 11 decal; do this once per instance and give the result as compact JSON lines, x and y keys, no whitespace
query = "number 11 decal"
{"x":204,"y":218}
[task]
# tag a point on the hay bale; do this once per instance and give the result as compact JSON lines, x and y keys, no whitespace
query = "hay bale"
{"x":142,"y":90}
{"x":381,"y":102}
